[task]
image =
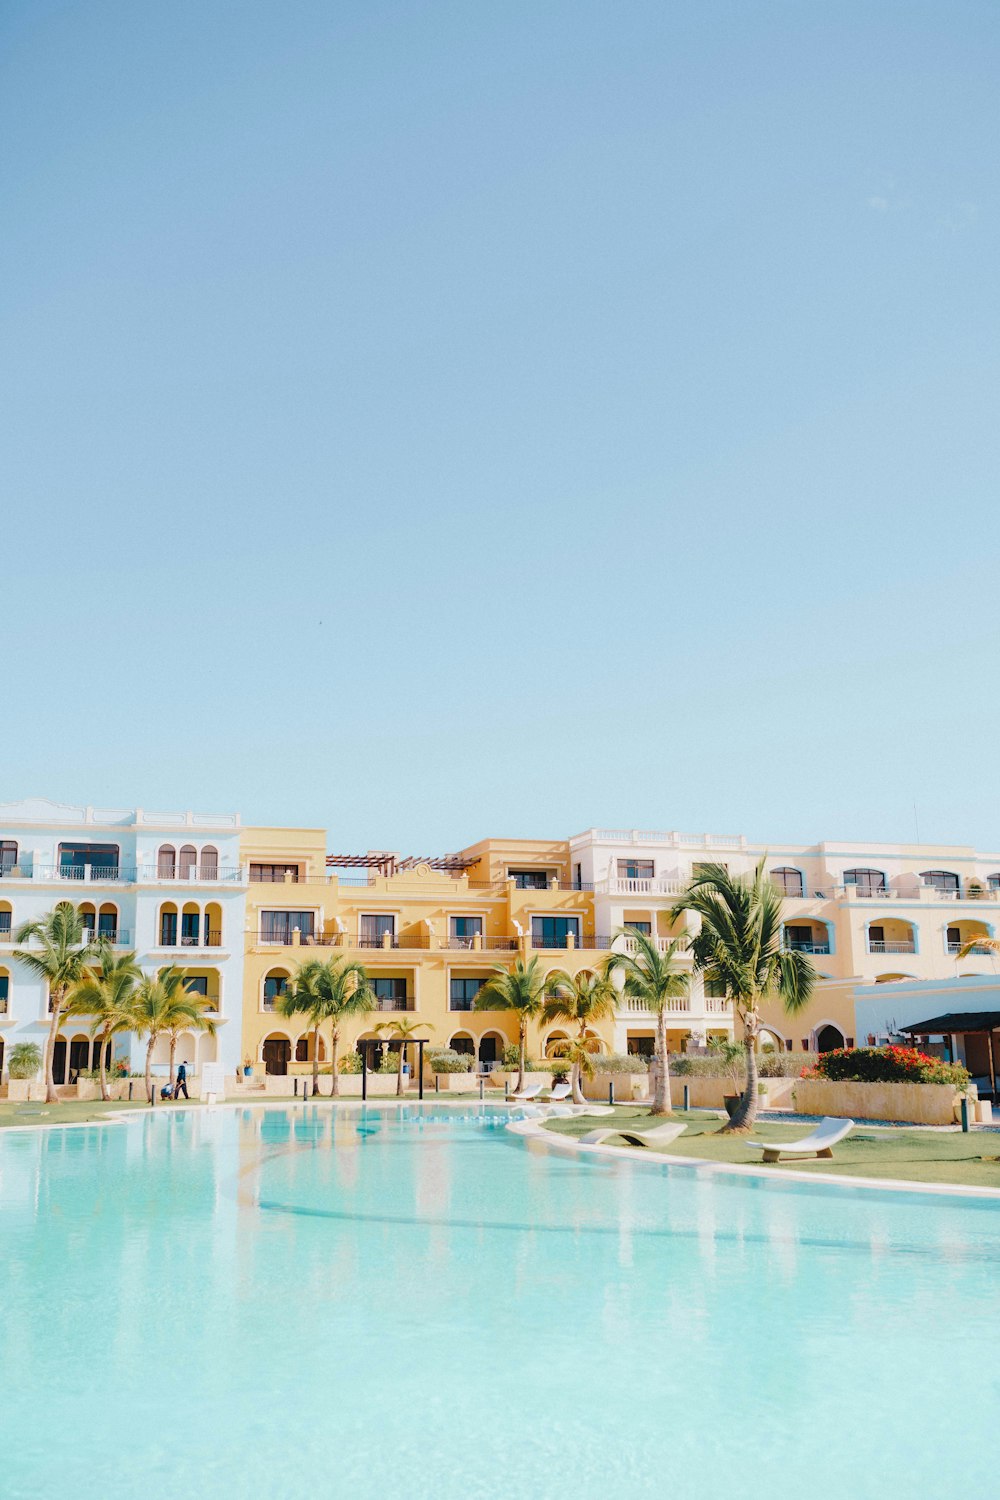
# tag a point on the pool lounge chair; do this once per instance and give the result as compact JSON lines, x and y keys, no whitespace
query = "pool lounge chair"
{"x":660,"y":1135}
{"x":828,"y":1132}
{"x":530,"y":1091}
{"x":559,"y":1092}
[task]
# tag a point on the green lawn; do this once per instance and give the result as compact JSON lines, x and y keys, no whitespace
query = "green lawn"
{"x":971,"y":1160}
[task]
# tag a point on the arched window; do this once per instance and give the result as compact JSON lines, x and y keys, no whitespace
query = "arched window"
{"x":993,"y":881}
{"x":275,"y":984}
{"x":166,"y":862}
{"x":829,"y":1039}
{"x":941,"y":880}
{"x":188,"y":862}
{"x":866,"y":882}
{"x":210,"y":862}
{"x":4,"y":992}
{"x":788,"y":881}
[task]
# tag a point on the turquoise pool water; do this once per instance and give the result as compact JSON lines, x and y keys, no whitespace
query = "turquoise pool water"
{"x":250,"y":1303}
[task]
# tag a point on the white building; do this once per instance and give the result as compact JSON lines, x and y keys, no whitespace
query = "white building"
{"x":168,"y":885}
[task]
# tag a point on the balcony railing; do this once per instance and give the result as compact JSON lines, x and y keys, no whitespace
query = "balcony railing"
{"x":977,"y":951}
{"x":552,"y":943}
{"x":900,"y":947}
{"x":119,"y":938}
{"x":479,"y":943}
{"x":623,"y":885}
{"x":202,"y":874}
{"x":394,"y":1002}
{"x":188,"y":940}
{"x":797,"y":945}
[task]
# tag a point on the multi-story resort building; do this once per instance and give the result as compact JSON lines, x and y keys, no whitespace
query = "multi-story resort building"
{"x":238,"y":907}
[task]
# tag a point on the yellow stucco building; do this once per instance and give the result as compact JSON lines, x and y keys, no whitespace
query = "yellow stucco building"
{"x":429,"y":932}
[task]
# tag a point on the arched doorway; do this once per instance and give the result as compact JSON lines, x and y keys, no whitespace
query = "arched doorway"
{"x":828,"y":1039}
{"x":277,"y":1054}
{"x":79,"y":1057}
{"x":59,"y":1060}
{"x":490,"y":1050}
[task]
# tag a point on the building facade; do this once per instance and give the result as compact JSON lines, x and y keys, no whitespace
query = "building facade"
{"x":169,"y":886}
{"x":239,"y":908}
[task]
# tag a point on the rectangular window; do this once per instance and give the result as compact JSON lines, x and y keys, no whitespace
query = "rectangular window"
{"x":4,"y":993}
{"x":190,"y":929}
{"x":464,"y":992}
{"x":635,"y":869}
{"x":800,"y":938}
{"x":102,"y":859}
{"x":529,"y":880}
{"x":8,"y":855}
{"x":578,"y":877}
{"x":464,"y":930}
{"x":107,"y":924}
{"x":715,"y":989}
{"x":168,"y":929}
{"x":954,"y":937}
{"x":197,"y":985}
{"x":273,"y":874}
{"x":390,"y":994}
{"x":646,"y":927}
{"x":278,"y":926}
{"x":5,"y":921}
{"x":876,"y":934}
{"x":552,"y":932}
{"x":373,"y":929}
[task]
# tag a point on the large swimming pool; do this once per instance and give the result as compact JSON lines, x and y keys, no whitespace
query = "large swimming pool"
{"x":380,"y":1302}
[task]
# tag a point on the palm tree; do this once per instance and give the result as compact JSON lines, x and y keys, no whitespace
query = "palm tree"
{"x":653,"y":979}
{"x":402,"y":1032}
{"x":521,"y":989}
{"x":163,"y":1004}
{"x":580,"y":999}
{"x":106,"y":994}
{"x":330,"y":991}
{"x":739,"y":947}
{"x":577,"y":1051}
{"x":977,"y":941}
{"x":62,"y":959}
{"x":204,"y":1023}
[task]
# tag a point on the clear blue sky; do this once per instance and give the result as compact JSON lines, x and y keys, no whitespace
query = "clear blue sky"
{"x":442,"y":420}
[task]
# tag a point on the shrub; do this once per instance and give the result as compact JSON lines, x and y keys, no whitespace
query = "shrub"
{"x":25,"y":1060}
{"x":510,"y":1057}
{"x":620,"y":1062}
{"x":446,"y":1060}
{"x":886,"y":1065}
{"x":773,"y":1064}
{"x":350,"y":1062}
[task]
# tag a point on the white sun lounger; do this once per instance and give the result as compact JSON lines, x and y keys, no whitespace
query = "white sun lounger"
{"x":828,"y":1132}
{"x":559,"y":1092}
{"x":530,"y":1091}
{"x":660,"y":1135}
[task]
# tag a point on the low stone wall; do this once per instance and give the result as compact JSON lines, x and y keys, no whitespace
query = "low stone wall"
{"x":507,"y":1077}
{"x":922,"y":1103}
{"x":626,"y":1085}
{"x":454,"y":1083}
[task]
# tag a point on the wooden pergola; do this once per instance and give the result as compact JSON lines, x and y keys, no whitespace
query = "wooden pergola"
{"x":365,"y":1042}
{"x":393,"y":864}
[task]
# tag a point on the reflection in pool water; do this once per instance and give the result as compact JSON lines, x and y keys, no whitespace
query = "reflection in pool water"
{"x":379,"y":1301}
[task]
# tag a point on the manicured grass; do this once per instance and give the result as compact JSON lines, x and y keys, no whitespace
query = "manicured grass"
{"x":72,"y":1111}
{"x":875,"y":1151}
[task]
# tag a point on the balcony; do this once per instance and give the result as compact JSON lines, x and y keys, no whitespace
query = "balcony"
{"x":119,"y":938}
{"x":657,"y":885}
{"x":186,"y":940}
{"x":977,"y":951}
{"x":800,"y":945}
{"x":394,"y":1002}
{"x":889,"y":947}
{"x":480,"y":944}
{"x":205,"y":874}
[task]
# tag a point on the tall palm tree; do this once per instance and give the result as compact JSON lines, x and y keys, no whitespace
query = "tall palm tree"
{"x":739,"y":946}
{"x":330,"y":991}
{"x":653,"y":979}
{"x":578,"y":1052}
{"x":204,"y":1023}
{"x":106,"y":994}
{"x":62,"y":959}
{"x":402,"y":1032}
{"x":520,"y":989}
{"x":163,"y":1004}
{"x":580,"y":999}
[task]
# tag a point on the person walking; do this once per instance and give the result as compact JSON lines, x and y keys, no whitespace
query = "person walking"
{"x":181,"y":1084}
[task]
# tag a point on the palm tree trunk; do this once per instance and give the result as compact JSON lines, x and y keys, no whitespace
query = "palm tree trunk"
{"x":50,"y":1048}
{"x":105,"y":1038}
{"x":149,"y":1068}
{"x":399,"y":1071}
{"x":746,"y":1112}
{"x":522,"y":1040}
{"x":576,"y":1085}
{"x":334,"y":1076}
{"x":662,"y":1103}
{"x":316,"y":1059}
{"x":173,"y":1048}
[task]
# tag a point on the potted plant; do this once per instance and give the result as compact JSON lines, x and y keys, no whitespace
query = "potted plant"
{"x":247,"y":1067}
{"x":729,"y":1057}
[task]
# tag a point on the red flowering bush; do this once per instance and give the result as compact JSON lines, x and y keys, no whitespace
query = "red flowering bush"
{"x":886,"y":1065}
